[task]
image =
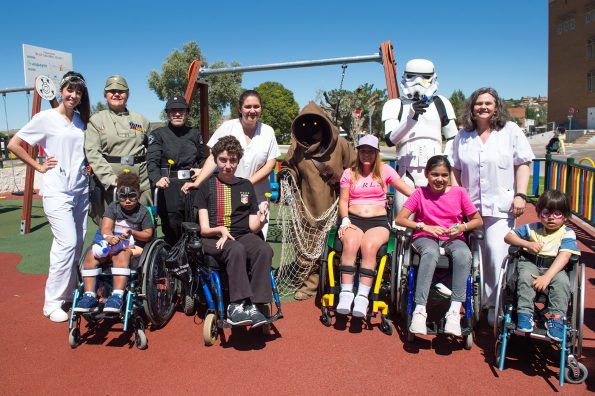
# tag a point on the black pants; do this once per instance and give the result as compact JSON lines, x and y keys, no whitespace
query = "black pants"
{"x":248,"y":254}
{"x":171,"y":207}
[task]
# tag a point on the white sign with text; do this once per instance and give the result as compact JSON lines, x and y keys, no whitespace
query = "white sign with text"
{"x":45,"y":62}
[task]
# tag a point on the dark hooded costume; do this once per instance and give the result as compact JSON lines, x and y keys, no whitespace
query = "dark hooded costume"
{"x":316,"y":158}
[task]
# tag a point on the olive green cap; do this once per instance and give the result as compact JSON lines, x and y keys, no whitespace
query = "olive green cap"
{"x":116,"y":82}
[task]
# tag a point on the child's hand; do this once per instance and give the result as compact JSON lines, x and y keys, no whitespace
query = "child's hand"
{"x":263,"y":211}
{"x":435,"y":230}
{"x":113,"y":240}
{"x":541,"y":282}
{"x":533,"y":247}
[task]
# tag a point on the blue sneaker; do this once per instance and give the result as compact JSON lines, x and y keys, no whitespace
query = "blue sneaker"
{"x":87,"y":303}
{"x":524,"y":322}
{"x":113,"y":303}
{"x":555,"y":328}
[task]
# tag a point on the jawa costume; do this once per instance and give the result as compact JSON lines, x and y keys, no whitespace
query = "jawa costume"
{"x":316,"y":158}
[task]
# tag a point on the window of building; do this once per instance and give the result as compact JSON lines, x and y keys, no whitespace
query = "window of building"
{"x":591,"y":49}
{"x":591,"y":81}
{"x":571,"y":23}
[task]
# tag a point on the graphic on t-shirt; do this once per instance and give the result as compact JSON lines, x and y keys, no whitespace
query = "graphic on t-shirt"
{"x":244,"y":197}
{"x":223,"y":204}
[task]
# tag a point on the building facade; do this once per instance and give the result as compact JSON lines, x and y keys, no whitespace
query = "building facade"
{"x":571,"y":63}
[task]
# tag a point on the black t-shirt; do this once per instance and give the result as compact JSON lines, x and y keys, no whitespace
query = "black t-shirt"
{"x":229,"y":205}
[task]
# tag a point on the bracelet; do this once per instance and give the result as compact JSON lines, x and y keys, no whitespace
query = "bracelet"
{"x":345,"y":222}
{"x":521,"y":195}
{"x":420,"y":226}
{"x":465,"y":225}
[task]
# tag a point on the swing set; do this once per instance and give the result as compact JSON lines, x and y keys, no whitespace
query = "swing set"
{"x":196,"y":81}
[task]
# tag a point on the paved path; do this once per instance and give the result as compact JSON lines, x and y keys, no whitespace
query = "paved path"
{"x":303,"y":358}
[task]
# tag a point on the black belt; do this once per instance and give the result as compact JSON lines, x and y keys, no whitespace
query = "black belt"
{"x":540,"y":261}
{"x":125,"y":159}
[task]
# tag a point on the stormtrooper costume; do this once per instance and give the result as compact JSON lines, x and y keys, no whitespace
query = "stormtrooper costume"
{"x":416,"y":123}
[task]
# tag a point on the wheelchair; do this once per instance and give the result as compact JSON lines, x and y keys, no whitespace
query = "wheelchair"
{"x":208,"y":286}
{"x":406,"y":277}
{"x":150,"y":295}
{"x":570,"y":347}
{"x":382,"y":295}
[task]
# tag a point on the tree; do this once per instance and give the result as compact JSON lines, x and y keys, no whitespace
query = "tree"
{"x":457,"y":99}
{"x":224,"y":89}
{"x":279,"y":109}
{"x":539,"y":114}
{"x":341,"y":106}
{"x":98,"y":107}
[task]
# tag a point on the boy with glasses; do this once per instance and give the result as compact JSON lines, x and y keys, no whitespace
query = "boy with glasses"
{"x":125,"y":228}
{"x":546,"y":249}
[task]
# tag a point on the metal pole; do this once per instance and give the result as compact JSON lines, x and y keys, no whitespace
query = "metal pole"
{"x":291,"y":65}
{"x":11,"y":90}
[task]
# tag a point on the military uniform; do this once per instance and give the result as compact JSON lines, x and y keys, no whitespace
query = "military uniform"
{"x":118,"y":141}
{"x":184,"y":146}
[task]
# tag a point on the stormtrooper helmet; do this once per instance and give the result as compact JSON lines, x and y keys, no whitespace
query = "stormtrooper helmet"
{"x":419,"y":79}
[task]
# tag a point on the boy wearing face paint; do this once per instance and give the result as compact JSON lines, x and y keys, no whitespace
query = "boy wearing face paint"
{"x":125,"y":228}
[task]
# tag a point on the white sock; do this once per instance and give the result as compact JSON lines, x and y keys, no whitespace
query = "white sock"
{"x":91,"y":294}
{"x":363,"y":290}
{"x":455,"y":306}
{"x":419,"y":308}
{"x":347,"y":287}
{"x":118,"y":291}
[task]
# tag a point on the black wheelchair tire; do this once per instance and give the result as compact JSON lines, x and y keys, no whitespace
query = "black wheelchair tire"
{"x":159,"y":306}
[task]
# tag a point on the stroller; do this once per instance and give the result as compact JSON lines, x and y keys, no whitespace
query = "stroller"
{"x":553,"y":146}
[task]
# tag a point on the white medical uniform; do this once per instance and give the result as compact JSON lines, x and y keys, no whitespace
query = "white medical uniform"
{"x":65,"y":198}
{"x":487,"y":172}
{"x":262,"y":147}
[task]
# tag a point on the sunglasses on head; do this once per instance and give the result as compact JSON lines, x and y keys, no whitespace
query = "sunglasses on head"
{"x":126,"y":193}
{"x":555,"y":213}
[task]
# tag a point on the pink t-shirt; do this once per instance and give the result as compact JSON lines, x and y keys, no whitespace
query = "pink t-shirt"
{"x":367,"y":191}
{"x":440,"y":209}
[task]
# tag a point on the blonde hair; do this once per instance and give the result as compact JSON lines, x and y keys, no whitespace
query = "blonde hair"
{"x":356,"y":170}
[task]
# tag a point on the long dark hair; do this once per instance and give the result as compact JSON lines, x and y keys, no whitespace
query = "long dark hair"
{"x":499,"y":118}
{"x":77,"y":82}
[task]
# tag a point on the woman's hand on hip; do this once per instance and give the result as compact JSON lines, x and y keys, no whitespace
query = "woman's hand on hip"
{"x":50,"y":163}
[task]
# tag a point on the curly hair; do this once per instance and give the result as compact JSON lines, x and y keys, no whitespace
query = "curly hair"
{"x":230,"y":144}
{"x":553,"y":200}
{"x":499,"y":118}
{"x":128,"y":179}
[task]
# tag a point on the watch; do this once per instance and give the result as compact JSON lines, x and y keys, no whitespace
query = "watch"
{"x":521,"y":195}
{"x":420,"y":226}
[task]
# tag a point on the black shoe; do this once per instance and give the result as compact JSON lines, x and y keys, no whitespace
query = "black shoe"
{"x":257,"y":318}
{"x":237,"y":315}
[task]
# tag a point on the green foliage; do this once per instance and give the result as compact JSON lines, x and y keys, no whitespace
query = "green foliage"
{"x":539,"y":114}
{"x":341,"y":106}
{"x":458,"y":103}
{"x":98,"y":107}
{"x":279,"y":109}
{"x":224,"y":89}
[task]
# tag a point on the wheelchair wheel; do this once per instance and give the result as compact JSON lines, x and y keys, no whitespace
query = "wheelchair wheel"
{"x":393,"y":309}
{"x":210,"y":330}
{"x":477,"y":277}
{"x":74,"y":337}
{"x":189,"y":303}
{"x":158,"y":285}
{"x":576,"y":376}
{"x":580,"y":312}
{"x":469,"y":341}
{"x":140,"y":339}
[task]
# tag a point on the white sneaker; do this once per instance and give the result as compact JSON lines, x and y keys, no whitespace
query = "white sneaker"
{"x":360,"y":306}
{"x":58,"y":315}
{"x":418,"y":323}
{"x":345,"y":301}
{"x":453,"y":323}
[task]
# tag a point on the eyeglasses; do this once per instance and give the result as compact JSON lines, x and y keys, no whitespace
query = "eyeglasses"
{"x":132,"y":196}
{"x":545,"y":213}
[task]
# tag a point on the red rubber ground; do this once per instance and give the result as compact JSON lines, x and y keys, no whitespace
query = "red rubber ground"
{"x":304,"y":358}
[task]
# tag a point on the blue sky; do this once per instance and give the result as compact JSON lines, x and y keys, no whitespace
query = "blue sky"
{"x":500,"y":43}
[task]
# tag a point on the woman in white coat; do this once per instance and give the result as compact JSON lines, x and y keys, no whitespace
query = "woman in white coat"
{"x":491,"y":158}
{"x":60,"y":133}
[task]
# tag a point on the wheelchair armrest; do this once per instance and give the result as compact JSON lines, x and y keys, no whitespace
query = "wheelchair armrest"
{"x":514,"y":250}
{"x":574,"y":259}
{"x":190,"y":227}
{"x":478,"y":233}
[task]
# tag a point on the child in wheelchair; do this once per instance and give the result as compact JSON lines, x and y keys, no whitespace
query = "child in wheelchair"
{"x":546,"y":247}
{"x":438,"y":211}
{"x":230,"y":220}
{"x":125,"y":228}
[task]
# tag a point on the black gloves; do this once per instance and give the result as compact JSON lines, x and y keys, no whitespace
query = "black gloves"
{"x":419,"y":107}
